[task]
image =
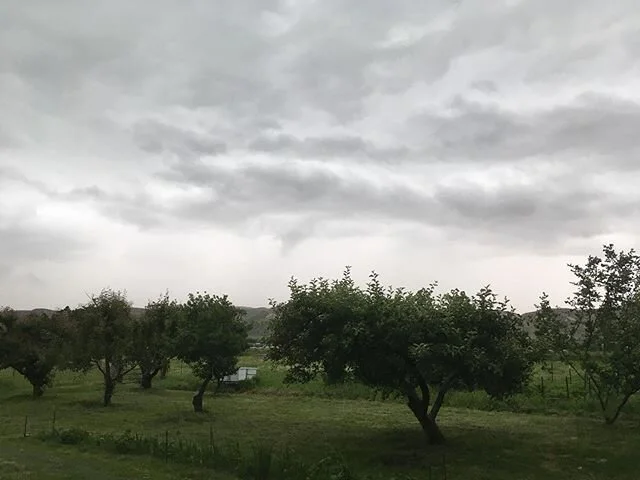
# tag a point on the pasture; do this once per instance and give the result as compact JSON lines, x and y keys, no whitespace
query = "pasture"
{"x":551,"y":431}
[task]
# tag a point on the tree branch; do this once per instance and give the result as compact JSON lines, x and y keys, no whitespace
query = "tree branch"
{"x":97,"y":364}
{"x":442,"y":391}
{"x":424,"y":391}
{"x":620,"y":407}
{"x":124,"y":372}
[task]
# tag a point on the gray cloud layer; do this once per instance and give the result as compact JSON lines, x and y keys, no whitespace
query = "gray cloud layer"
{"x":255,"y":109}
{"x":587,"y":127}
{"x":543,"y":213}
{"x":21,"y":243}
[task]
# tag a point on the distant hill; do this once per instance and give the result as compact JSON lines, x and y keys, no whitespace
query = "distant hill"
{"x":258,"y":318}
{"x":563,"y":314}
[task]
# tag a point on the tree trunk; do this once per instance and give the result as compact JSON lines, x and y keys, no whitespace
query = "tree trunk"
{"x":38,"y":390}
{"x":147,"y":377}
{"x":165,"y":368}
{"x":420,"y":409}
{"x":109,"y":388}
{"x":431,"y":430}
{"x":145,"y":380}
{"x":198,"y":396}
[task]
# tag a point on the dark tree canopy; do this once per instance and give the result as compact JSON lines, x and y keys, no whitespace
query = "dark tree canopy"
{"x":153,"y":337}
{"x":101,"y":336}
{"x":600,"y":339}
{"x":211,"y":336}
{"x":418,"y":344}
{"x":32,"y":346}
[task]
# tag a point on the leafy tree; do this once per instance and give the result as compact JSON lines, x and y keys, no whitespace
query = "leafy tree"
{"x":211,"y":335}
{"x":600,"y":337}
{"x":102,"y":337}
{"x":153,"y":335}
{"x":31,"y":346}
{"x":417,"y":344}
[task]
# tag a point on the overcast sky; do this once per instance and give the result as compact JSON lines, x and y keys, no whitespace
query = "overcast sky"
{"x":228,"y":145}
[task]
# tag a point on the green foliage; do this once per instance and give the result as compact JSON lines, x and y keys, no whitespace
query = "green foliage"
{"x":100,"y":334}
{"x":262,"y":463}
{"x":152,"y":337}
{"x":70,"y":436}
{"x":400,"y":341}
{"x":211,"y":335}
{"x":476,"y":342}
{"x":32,"y":346}
{"x":601,"y":338}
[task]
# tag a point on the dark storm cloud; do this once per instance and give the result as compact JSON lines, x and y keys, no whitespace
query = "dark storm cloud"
{"x":21,"y":243}
{"x":157,"y":137}
{"x":136,"y":208}
{"x":340,"y":58}
{"x":63,"y":56}
{"x":343,"y":58}
{"x":243,"y":76}
{"x":544,"y":212}
{"x":344,"y":147}
{"x":589,"y":126}
{"x":252,"y":191}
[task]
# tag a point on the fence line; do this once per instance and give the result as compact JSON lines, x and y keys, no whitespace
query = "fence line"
{"x":263,"y":464}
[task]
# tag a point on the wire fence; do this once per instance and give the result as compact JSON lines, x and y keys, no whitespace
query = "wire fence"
{"x":258,"y":462}
{"x":563,"y":381}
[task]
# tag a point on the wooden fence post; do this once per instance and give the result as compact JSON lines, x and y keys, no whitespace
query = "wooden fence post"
{"x":166,"y":446}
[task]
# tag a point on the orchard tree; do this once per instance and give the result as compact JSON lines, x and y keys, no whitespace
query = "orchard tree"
{"x":153,"y":336}
{"x":600,"y":337}
{"x":417,"y":344}
{"x":32,"y":346}
{"x":102,"y":337}
{"x":211,"y":335}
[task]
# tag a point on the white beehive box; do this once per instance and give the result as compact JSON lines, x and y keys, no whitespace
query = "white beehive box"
{"x":243,"y":373}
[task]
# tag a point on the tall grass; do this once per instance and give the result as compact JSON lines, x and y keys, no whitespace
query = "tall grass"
{"x":262,"y":462}
{"x":554,"y":389}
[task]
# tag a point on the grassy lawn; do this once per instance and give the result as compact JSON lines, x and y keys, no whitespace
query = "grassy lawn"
{"x":22,"y":459}
{"x":378,"y":439}
{"x":554,"y":389}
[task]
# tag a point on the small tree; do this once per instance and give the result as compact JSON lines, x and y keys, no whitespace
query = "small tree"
{"x":210,"y":337}
{"x":31,"y":346}
{"x":416,"y":344}
{"x":600,"y":337}
{"x":153,"y":335}
{"x":102,"y":337}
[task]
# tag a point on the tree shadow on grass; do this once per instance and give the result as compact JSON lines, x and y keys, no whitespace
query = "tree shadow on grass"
{"x":18,"y":398}
{"x":181,"y":416}
{"x":501,"y":449}
{"x":153,"y":391}
{"x":97,"y":405}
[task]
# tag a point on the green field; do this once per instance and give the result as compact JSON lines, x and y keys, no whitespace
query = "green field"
{"x":538,"y":435}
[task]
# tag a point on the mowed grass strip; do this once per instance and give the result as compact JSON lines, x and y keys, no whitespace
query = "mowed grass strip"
{"x":24,"y":459}
{"x":379,"y":439}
